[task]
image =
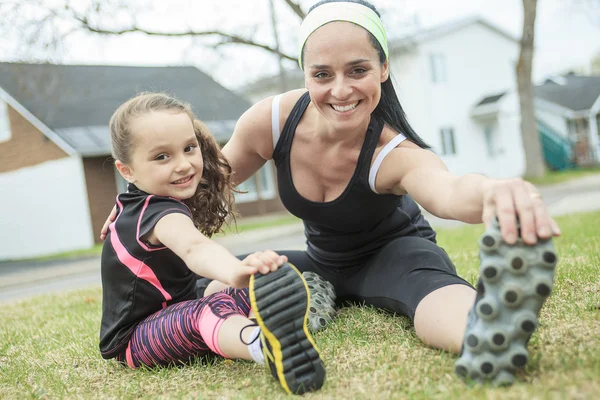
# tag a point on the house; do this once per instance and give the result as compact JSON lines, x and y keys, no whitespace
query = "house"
{"x":57,"y":177}
{"x":567,"y":109}
{"x":451,"y":79}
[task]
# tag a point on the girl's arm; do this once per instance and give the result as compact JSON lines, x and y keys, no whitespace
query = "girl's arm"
{"x":206,"y":257}
{"x":470,"y":198}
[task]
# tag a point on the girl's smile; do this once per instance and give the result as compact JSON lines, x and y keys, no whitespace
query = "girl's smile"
{"x":184,"y":182}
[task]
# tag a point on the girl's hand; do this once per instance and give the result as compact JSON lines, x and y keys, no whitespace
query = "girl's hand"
{"x":511,"y":198}
{"x":264,"y":261}
{"x":110,"y":220}
{"x":261,"y":261}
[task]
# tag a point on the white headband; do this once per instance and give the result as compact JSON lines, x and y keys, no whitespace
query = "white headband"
{"x":342,"y":11}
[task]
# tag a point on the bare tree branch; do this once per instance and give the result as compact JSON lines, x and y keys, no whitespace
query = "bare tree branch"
{"x":227,"y":38}
{"x":48,"y":24}
{"x":295,"y":7}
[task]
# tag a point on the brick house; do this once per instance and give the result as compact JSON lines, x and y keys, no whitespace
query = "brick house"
{"x":57,"y":176}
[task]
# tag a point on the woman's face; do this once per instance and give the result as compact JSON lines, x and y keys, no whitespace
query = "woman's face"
{"x":343,"y":74}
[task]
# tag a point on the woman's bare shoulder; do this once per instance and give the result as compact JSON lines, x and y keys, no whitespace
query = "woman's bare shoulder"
{"x":259,"y":115}
{"x":262,"y":109}
{"x":253,"y":129}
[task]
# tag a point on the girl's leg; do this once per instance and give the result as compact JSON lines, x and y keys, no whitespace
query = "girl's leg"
{"x":183,"y":331}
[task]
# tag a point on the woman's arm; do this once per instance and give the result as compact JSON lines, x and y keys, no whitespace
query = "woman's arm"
{"x":471,"y":198}
{"x":206,"y":257}
{"x":251,"y":144}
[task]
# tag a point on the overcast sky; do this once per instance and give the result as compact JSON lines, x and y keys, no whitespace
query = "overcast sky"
{"x":566,"y":36}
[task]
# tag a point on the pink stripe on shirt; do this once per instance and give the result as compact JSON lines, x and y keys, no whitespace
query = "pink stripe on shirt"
{"x":138,"y":267}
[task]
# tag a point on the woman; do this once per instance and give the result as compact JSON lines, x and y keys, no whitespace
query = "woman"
{"x":349,"y":165}
{"x":344,"y":167}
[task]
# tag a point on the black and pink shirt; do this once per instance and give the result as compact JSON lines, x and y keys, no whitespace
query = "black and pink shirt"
{"x":138,"y":278}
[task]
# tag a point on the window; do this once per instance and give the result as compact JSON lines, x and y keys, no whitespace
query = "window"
{"x":448,"y":146}
{"x":488,"y":131}
{"x":264,"y":179}
{"x":438,"y":68}
{"x":4,"y":123}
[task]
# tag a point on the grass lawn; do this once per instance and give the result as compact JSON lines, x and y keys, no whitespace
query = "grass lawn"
{"x":49,"y":345}
{"x":553,"y":177}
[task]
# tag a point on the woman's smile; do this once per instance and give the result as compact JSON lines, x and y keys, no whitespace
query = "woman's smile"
{"x":345,"y":108}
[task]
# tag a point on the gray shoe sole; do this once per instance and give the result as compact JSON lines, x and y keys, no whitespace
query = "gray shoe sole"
{"x":322,"y":301}
{"x":515,"y":281}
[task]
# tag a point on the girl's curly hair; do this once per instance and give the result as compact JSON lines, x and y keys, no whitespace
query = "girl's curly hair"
{"x":213,"y":201}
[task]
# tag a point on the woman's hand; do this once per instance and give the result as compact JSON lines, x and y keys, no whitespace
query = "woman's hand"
{"x":110,"y":220}
{"x":261,"y":261}
{"x":511,"y":198}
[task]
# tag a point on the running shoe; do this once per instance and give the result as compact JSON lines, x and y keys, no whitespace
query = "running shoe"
{"x":280,"y":301}
{"x":515,"y":280}
{"x":322,"y":301}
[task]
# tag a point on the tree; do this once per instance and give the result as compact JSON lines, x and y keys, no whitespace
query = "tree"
{"x":595,"y":65}
{"x":534,"y":161}
{"x":53,"y":23}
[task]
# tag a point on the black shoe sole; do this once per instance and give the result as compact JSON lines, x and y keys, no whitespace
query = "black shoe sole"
{"x":280,"y":301}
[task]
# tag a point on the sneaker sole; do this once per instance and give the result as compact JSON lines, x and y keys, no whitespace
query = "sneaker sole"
{"x":280,"y":301}
{"x":517,"y":280}
{"x":322,"y":301}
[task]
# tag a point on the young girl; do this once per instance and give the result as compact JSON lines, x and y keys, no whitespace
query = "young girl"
{"x":179,"y":194}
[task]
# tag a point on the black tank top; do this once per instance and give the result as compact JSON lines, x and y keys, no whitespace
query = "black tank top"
{"x":345,"y":232}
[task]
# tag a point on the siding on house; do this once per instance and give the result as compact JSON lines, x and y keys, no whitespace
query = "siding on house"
{"x":476,"y":61}
{"x":101,"y":186}
{"x":45,"y":210}
{"x":27,"y":146}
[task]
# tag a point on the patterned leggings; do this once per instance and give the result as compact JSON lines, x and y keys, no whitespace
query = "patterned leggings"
{"x":183,"y":331}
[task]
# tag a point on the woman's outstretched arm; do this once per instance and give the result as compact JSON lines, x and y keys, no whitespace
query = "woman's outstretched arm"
{"x":470,"y":198}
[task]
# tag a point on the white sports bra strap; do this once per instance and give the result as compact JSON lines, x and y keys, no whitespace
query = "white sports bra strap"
{"x":275,"y":120}
{"x":384,"y":152}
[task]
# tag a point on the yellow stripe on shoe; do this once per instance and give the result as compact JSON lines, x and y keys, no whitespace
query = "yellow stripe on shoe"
{"x":280,"y":301}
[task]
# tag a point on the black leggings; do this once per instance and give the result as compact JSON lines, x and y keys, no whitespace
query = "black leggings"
{"x":396,"y":278}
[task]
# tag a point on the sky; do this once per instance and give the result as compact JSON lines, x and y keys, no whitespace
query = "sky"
{"x":567,"y":33}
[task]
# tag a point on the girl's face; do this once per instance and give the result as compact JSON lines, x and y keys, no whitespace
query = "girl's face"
{"x":166,"y":159}
{"x":343,"y":74}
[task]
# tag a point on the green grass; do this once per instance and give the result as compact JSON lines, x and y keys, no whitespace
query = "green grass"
{"x":49,"y":345}
{"x":553,"y":177}
{"x":93,"y":251}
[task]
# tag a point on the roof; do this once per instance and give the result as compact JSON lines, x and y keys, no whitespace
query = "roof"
{"x":577,"y":93}
{"x":491,"y":99}
{"x":572,"y":92}
{"x":77,"y":101}
{"x":424,"y":35}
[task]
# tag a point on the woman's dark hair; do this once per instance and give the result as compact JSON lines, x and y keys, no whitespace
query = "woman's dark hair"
{"x":389,"y":109}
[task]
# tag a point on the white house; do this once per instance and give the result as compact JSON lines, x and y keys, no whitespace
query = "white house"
{"x":567,"y":109}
